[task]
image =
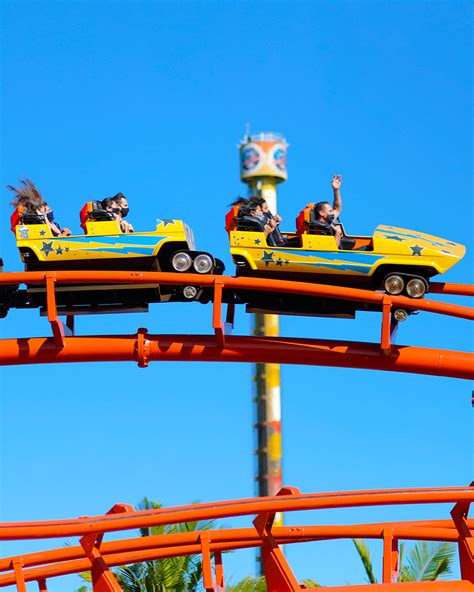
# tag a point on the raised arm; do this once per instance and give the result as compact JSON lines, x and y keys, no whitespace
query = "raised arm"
{"x":336,"y":186}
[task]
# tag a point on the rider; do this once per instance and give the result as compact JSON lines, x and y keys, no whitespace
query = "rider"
{"x":326,"y":216}
{"x":122,"y":204}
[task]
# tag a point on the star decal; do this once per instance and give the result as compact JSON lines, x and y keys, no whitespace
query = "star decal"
{"x":59,"y":250}
{"x":393,"y":237}
{"x":42,"y":232}
{"x":47,"y":248}
{"x":267,"y":258}
{"x":257,"y":241}
{"x":167,"y":222}
{"x":279,"y":262}
{"x":287,"y":262}
{"x":66,"y":250}
{"x":416,"y":250}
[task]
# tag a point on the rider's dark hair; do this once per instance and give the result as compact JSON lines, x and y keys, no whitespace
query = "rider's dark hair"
{"x":239,"y":201}
{"x":256,"y":200}
{"x":118,"y":198}
{"x":246,"y":209}
{"x":108,"y":202}
{"x":319,"y":206}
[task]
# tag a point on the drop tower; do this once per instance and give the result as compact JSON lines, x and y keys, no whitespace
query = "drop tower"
{"x":262,"y":168}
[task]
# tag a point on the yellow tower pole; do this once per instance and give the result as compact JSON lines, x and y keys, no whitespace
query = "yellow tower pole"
{"x":263,"y":166}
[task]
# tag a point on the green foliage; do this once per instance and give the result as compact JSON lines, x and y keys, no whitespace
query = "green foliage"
{"x":248,"y":584}
{"x":364,"y":554}
{"x":426,"y":562}
{"x":311,"y":584}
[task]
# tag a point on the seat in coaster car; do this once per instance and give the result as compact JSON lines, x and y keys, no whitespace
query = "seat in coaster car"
{"x":231,"y":218}
{"x":20,"y":217}
{"x":93,"y":211}
{"x":306,"y":223}
{"x":305,"y":219}
{"x":249,"y":223}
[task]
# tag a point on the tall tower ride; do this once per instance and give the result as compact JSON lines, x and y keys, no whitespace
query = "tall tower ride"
{"x":262,"y":167}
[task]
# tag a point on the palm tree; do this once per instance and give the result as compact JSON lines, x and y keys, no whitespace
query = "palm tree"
{"x":425,"y":561}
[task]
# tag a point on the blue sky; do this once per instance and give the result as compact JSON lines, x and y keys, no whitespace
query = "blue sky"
{"x":150,"y":99}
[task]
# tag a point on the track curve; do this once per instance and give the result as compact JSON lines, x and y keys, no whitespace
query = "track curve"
{"x":101,"y":556}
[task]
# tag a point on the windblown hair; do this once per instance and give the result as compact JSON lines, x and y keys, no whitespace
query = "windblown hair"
{"x":27,"y":196}
{"x":239,"y":201}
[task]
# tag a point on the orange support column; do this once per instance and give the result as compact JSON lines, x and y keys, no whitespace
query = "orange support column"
{"x":19,"y":577}
{"x":466,"y":540}
{"x":103,"y":580}
{"x":278,"y":574}
{"x":390,"y":568}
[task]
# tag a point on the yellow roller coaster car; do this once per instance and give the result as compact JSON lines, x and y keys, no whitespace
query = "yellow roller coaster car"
{"x":397,"y":260}
{"x":170,"y":247}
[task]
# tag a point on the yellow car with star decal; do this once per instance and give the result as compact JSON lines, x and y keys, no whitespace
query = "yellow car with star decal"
{"x":396,"y":260}
{"x":170,"y":247}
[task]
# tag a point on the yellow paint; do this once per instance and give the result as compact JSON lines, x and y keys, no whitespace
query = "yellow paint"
{"x":317,"y":250}
{"x":102,"y":241}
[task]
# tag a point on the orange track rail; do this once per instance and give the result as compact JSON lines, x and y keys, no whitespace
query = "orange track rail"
{"x":145,"y":348}
{"x":100,"y":557}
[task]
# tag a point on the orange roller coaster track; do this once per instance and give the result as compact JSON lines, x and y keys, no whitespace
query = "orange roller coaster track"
{"x":98,"y":556}
{"x":144,"y":348}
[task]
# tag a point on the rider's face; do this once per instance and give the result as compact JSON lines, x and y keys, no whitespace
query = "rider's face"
{"x":326,"y":210}
{"x":113,"y":207}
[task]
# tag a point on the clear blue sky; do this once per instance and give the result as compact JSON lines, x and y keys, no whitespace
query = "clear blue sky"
{"x":151,"y":99}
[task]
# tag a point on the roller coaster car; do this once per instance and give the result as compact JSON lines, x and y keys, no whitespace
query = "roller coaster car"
{"x":170,"y":247}
{"x":396,"y":260}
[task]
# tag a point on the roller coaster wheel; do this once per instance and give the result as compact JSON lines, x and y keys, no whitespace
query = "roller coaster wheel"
{"x":394,"y":284}
{"x":416,"y":287}
{"x":181,"y":261}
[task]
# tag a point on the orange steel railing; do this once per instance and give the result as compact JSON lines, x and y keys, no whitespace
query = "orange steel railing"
{"x":144,"y":347}
{"x":99,"y":557}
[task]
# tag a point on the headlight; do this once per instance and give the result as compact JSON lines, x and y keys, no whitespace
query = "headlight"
{"x":189,"y":292}
{"x":181,"y":262}
{"x":203,"y":263}
{"x":416,"y":288}
{"x":394,"y":284}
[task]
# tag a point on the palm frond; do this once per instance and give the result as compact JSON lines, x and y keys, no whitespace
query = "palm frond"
{"x":427,"y":562}
{"x":364,"y":554}
{"x":248,"y":584}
